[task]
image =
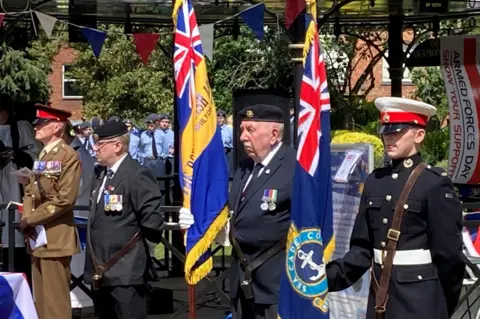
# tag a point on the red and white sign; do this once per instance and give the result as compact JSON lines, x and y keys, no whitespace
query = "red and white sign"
{"x":460,"y":58}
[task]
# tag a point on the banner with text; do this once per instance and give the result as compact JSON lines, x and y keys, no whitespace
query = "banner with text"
{"x":459,"y":62}
{"x":351,"y":164}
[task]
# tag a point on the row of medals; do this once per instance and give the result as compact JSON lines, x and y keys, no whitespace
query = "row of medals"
{"x":116,"y":206}
{"x":268,"y":205}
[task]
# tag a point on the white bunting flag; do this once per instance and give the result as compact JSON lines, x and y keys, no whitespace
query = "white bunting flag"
{"x":47,"y":22}
{"x":206,"y":35}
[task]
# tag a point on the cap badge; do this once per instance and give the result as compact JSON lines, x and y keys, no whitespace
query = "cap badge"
{"x":386,"y":117}
{"x":250,"y":114}
{"x":408,"y":163}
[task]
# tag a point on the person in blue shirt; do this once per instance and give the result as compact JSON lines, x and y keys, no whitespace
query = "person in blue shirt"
{"x":83,"y":132}
{"x":227,"y":137}
{"x":168,"y":141}
{"x":134,"y":140}
{"x":150,"y":147}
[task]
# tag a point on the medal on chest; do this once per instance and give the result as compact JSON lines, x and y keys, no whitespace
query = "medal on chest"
{"x":269,"y":200}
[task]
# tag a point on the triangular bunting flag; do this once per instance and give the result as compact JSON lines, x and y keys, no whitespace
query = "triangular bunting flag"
{"x":206,"y":35}
{"x":253,"y":18}
{"x":145,"y":44}
{"x":292,"y":9}
{"x":47,"y":22}
{"x":2,"y":16}
{"x":95,"y":38}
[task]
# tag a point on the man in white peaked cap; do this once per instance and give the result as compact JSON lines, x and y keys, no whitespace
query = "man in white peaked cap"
{"x":409,"y":225}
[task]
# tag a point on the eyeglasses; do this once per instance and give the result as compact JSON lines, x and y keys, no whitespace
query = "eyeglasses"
{"x":100,"y":144}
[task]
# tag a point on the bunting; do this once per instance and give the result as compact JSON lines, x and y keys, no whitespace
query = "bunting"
{"x":145,"y":43}
{"x":96,"y":39}
{"x":47,"y":22}
{"x":206,"y":34}
{"x":2,"y":17}
{"x":254,"y":19}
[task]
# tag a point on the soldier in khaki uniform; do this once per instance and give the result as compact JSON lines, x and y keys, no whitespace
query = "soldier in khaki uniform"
{"x":50,"y":195}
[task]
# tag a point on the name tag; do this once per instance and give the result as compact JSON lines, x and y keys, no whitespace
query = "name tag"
{"x":47,"y":167}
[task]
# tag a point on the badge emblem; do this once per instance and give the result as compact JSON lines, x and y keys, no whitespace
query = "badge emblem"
{"x":408,"y":163}
{"x":386,"y":118}
{"x":306,"y":267}
{"x":250,"y":114}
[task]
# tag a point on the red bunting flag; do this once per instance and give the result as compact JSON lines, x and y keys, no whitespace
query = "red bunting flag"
{"x":292,"y":9}
{"x":145,"y":44}
{"x":2,"y":16}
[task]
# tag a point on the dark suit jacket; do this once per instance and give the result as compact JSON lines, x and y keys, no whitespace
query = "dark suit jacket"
{"x":257,"y":230}
{"x":110,"y":231}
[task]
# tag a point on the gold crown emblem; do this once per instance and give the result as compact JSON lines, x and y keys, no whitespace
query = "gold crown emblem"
{"x":386,"y":118}
{"x":250,"y":114}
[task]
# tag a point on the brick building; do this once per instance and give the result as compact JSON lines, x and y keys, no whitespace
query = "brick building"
{"x":65,"y":95}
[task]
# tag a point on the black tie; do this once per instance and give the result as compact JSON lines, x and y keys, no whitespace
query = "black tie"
{"x":85,"y":144}
{"x":154,"y":146}
{"x":110,"y":173}
{"x":256,"y":170}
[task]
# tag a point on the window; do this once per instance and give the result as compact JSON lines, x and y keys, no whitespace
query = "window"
{"x":386,"y":75}
{"x":69,"y":91}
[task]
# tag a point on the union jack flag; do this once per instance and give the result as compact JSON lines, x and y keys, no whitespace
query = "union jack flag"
{"x":303,"y":292}
{"x":188,"y":47}
{"x":314,"y":99}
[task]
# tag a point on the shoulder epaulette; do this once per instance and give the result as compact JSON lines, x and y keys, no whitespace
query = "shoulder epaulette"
{"x":437,"y":170}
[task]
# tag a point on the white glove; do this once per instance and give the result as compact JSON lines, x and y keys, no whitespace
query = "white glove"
{"x":185,"y":218}
{"x":223,"y":237}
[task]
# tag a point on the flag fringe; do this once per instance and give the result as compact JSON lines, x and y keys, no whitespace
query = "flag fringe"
{"x":309,"y":37}
{"x":193,"y":276}
{"x":176,"y":7}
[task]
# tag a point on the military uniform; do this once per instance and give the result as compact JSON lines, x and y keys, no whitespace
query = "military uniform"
{"x":49,"y":200}
{"x":428,"y":265}
{"x":126,"y":201}
{"x":260,"y":202}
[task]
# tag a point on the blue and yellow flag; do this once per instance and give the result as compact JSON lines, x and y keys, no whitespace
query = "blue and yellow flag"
{"x":203,"y":165}
{"x":310,"y":243}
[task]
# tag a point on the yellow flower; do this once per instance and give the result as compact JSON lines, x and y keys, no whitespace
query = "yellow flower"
{"x":356,"y":137}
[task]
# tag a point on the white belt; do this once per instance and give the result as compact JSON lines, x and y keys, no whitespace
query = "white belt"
{"x":407,"y":257}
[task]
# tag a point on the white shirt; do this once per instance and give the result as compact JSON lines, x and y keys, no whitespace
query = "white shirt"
{"x":265,"y":162}
{"x":114,"y":168}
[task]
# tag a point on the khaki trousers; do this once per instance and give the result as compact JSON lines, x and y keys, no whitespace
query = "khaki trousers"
{"x":51,"y":287}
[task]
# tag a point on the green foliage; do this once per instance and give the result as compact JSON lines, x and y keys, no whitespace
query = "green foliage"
{"x":431,"y":88}
{"x":118,"y":83}
{"x":436,"y":146}
{"x":20,"y":78}
{"x":247,"y":63}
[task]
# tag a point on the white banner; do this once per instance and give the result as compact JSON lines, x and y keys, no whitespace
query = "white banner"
{"x":459,"y":62}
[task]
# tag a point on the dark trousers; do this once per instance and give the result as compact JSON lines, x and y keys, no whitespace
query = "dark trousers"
{"x":248,"y":309}
{"x":22,"y":262}
{"x":122,"y":302}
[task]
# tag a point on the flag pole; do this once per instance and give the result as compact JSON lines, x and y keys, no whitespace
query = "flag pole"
{"x":192,"y":303}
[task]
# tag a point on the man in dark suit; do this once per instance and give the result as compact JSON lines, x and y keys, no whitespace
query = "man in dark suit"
{"x":125,"y":211}
{"x":260,"y":209}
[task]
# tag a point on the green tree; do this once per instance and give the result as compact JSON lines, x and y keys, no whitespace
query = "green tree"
{"x":243,"y":62}
{"x":21,"y":80}
{"x":118,"y":83}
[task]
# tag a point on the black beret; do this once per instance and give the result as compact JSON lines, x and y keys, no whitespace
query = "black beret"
{"x":262,"y":113}
{"x":110,"y":130}
{"x":221,"y":112}
{"x":114,"y":118}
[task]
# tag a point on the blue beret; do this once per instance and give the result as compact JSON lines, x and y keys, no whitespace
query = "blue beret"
{"x":152,"y":118}
{"x":110,"y":129}
{"x":262,"y":113}
{"x":127,"y":121}
{"x":95,"y":121}
{"x":83,"y":125}
{"x":163,"y":116}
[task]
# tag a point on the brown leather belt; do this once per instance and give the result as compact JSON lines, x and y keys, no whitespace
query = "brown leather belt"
{"x":393,"y":235}
{"x":99,"y":270}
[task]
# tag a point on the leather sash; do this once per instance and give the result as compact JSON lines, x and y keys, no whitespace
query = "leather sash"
{"x":393,"y":235}
{"x":99,"y":270}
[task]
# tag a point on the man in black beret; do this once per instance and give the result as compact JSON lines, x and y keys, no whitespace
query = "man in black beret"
{"x":125,"y":211}
{"x":260,"y":213}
